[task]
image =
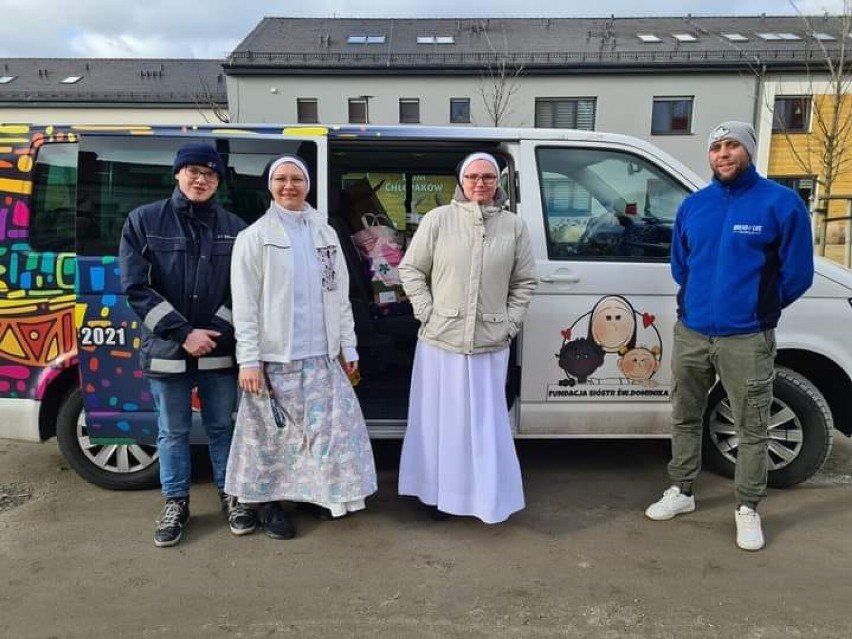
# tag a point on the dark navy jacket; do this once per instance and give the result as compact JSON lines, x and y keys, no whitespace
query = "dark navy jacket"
{"x":741,"y":252}
{"x":175,"y":259}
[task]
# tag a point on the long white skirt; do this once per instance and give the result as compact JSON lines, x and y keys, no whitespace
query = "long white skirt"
{"x":458,"y":453}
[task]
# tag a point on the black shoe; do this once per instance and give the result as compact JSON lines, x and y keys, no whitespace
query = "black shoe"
{"x":274,"y":521}
{"x":170,"y":525}
{"x":320,"y":512}
{"x":242,"y":520}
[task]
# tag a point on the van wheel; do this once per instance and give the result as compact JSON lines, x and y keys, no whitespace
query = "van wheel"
{"x":800,"y":431}
{"x":113,"y":466}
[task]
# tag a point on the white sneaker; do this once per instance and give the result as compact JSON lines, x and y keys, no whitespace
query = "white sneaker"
{"x":749,"y":531}
{"x":673,"y":503}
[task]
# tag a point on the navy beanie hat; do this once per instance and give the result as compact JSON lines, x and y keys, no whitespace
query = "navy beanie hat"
{"x":199,"y":154}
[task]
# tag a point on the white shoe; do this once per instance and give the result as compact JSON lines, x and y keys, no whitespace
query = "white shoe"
{"x":749,"y":531}
{"x":673,"y":503}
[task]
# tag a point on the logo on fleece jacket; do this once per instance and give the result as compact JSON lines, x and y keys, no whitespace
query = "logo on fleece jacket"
{"x":748,"y":229}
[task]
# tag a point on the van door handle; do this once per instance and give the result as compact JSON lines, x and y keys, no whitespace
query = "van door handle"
{"x":561,"y":279}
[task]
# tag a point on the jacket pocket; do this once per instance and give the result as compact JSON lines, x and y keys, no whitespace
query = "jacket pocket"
{"x":495,"y":329}
{"x":165,"y":245}
{"x":445,"y":324}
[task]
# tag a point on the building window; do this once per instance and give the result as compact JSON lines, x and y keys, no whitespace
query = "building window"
{"x":409,"y":111}
{"x":671,"y":116}
{"x":460,"y":110}
{"x":804,"y":186}
{"x":307,"y":111}
{"x":358,"y":111}
{"x":565,"y":113}
{"x":791,"y":114}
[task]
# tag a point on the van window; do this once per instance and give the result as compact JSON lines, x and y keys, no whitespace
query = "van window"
{"x":118,"y":174}
{"x":53,"y":198}
{"x":606,"y":204}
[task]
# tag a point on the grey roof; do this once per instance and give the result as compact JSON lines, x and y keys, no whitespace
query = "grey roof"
{"x":128,"y":81}
{"x":278,"y":44}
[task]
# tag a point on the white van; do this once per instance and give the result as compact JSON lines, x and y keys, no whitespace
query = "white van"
{"x":599,"y":208}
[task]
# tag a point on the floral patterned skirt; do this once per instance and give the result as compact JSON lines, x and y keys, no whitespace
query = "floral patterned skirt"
{"x":304,"y":441}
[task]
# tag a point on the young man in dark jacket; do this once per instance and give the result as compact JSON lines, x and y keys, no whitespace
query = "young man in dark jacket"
{"x":175,"y":258}
{"x":741,"y":252}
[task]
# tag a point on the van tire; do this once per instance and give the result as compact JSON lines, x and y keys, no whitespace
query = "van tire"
{"x":798,"y":410}
{"x":143,"y":469}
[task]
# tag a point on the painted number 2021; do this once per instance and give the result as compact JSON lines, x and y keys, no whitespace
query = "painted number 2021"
{"x":102,"y":336}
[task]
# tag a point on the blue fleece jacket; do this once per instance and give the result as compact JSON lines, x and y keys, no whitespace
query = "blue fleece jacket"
{"x":741,"y":252}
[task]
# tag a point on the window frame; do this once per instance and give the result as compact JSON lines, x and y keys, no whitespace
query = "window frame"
{"x":300,"y":102}
{"x":670,"y":101}
{"x":656,"y":172}
{"x":358,"y":102}
{"x":53,"y":235}
{"x":782,"y":126}
{"x":576,"y":100}
{"x":462,"y":101}
{"x":409,"y":118}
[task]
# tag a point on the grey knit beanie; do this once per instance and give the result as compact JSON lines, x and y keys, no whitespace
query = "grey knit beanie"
{"x":742,"y":132}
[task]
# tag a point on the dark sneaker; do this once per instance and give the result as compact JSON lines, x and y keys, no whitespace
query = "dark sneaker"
{"x":242,"y":520}
{"x":274,"y":521}
{"x":170,"y":525}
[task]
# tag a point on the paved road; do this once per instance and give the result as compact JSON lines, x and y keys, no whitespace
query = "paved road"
{"x":580,"y":561}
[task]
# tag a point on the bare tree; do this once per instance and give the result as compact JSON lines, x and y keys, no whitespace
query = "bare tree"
{"x":499,"y":81}
{"x":206,"y":101}
{"x":826,"y":152}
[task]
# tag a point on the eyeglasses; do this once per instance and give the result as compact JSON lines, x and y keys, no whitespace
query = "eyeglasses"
{"x":488,"y":179}
{"x":193,"y":173}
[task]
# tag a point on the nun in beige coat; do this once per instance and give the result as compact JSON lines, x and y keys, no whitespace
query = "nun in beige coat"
{"x":470,"y":275}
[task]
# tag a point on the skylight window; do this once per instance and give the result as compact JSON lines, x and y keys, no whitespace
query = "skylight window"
{"x":431,"y":39}
{"x":684,"y":37}
{"x":735,"y":37}
{"x":769,"y":36}
{"x":789,"y":36}
{"x":820,"y":35}
{"x":6,"y":79}
{"x":648,"y":37}
{"x":376,"y":39}
{"x":357,"y":39}
{"x":72,"y":79}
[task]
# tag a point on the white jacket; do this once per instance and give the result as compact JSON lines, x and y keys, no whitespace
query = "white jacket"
{"x":262,"y":291}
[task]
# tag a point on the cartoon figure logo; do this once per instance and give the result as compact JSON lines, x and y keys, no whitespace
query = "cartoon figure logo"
{"x":617,"y":346}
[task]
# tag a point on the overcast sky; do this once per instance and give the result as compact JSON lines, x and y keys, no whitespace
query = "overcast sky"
{"x":211,"y":29}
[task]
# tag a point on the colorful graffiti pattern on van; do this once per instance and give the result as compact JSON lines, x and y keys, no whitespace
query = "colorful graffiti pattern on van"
{"x":37,"y":333}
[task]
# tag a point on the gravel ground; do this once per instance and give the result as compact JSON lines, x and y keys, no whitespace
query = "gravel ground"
{"x":580,"y":561}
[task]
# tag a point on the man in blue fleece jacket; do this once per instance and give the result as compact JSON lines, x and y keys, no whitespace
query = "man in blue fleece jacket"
{"x":741,"y":252}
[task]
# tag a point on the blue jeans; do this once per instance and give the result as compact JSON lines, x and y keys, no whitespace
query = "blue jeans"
{"x":172,"y":397}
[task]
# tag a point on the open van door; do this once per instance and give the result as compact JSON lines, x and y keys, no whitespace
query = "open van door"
{"x":596,"y":342}
{"x":110,"y":430}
